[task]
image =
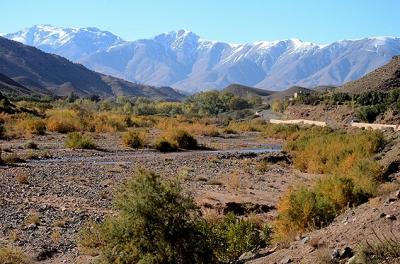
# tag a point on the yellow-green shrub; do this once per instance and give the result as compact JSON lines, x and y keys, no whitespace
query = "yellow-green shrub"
{"x":162,"y":144}
{"x":29,"y":126}
{"x":63,"y":120}
{"x":77,"y":140}
{"x":183,"y":139}
{"x":134,"y":139}
{"x":108,"y":122}
{"x":352,"y":176}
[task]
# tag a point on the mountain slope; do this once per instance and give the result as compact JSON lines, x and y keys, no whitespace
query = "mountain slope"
{"x":44,"y":73}
{"x":10,"y":87}
{"x":189,"y":63}
{"x":384,"y":78}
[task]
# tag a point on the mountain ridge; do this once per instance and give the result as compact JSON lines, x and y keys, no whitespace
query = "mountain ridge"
{"x":46,"y":73}
{"x":185,"y":61}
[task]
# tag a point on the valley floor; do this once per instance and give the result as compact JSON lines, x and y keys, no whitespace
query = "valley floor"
{"x":45,"y":202}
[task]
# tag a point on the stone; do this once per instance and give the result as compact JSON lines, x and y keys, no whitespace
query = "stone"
{"x":305,"y":240}
{"x":347,"y":252}
{"x":335,"y":254}
{"x":391,"y":217}
{"x":286,"y":260}
{"x":352,"y":260}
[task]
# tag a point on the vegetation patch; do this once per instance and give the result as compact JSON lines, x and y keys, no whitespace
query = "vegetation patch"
{"x":134,"y":139}
{"x":76,"y":140}
{"x":13,"y":256}
{"x":158,"y":223}
{"x":162,"y":144}
{"x":352,"y":175}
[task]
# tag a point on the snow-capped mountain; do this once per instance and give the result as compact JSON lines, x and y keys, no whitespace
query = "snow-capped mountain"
{"x":185,"y":61}
{"x":72,"y":43}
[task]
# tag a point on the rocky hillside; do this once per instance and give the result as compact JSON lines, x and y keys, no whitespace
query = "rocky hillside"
{"x":47,"y":73}
{"x":384,"y":78}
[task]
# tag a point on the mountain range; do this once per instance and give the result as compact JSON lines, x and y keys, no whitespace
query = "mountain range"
{"x":25,"y":70}
{"x":183,"y":60}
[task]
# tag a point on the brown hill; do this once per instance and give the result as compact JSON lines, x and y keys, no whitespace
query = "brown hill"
{"x":47,"y":73}
{"x":246,"y":91}
{"x":384,"y":78}
{"x":10,"y":87}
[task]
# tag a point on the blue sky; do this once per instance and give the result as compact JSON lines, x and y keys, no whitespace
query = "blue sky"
{"x":236,"y":21}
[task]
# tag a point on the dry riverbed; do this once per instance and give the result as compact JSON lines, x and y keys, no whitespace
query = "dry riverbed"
{"x":45,"y":202}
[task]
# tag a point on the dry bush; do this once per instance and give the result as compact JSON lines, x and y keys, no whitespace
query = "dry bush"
{"x":134,"y":139}
{"x":76,"y":140}
{"x":56,"y":236}
{"x":248,"y":126}
{"x":14,"y":236}
{"x":13,"y":256}
{"x":196,"y":127}
{"x":324,"y":256}
{"x":63,"y":120}
{"x":234,"y":181}
{"x":28,"y":126}
{"x":106,"y":122}
{"x":383,"y":247}
{"x":163,"y":144}
{"x":387,"y":188}
{"x":33,"y":219}
{"x":22,"y":178}
{"x":62,"y":222}
{"x":182,"y":139}
{"x":30,"y":145}
{"x":11,"y":158}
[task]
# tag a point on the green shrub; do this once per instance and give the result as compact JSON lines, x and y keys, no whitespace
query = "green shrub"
{"x":157,"y":223}
{"x":133,"y":139}
{"x":164,"y":145}
{"x":77,"y":140}
{"x":13,"y":256}
{"x":184,"y":140}
{"x":352,"y":176}
{"x":303,"y":209}
{"x":231,"y":236}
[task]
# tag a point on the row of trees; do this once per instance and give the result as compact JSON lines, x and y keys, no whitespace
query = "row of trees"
{"x":210,"y":103}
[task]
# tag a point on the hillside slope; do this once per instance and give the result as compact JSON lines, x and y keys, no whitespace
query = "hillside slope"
{"x":384,"y":78}
{"x":246,"y":91}
{"x":47,"y":73}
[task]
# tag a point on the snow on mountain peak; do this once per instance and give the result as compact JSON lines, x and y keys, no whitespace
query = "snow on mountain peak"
{"x":188,"y":62}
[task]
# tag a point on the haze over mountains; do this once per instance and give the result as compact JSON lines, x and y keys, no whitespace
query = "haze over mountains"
{"x":189,"y":63}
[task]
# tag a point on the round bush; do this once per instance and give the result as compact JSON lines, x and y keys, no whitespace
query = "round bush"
{"x":184,"y":140}
{"x":164,"y":145}
{"x":133,"y":139}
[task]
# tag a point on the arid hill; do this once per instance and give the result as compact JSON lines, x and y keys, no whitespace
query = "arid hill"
{"x":246,"y":91}
{"x":384,"y":78}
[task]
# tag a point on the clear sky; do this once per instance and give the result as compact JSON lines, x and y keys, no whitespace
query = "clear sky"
{"x":235,"y":21}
